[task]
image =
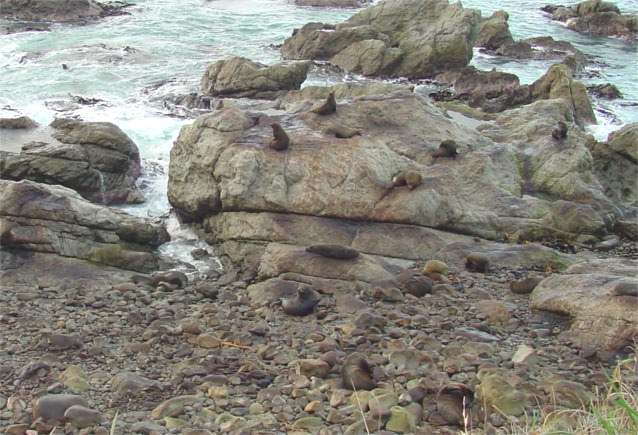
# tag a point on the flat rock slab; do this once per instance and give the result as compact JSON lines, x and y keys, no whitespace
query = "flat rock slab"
{"x":601,"y":320}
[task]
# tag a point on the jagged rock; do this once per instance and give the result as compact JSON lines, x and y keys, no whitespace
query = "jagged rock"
{"x":56,"y":220}
{"x":558,"y":83}
{"x":618,"y":156}
{"x":601,"y":320}
{"x":494,"y":32}
{"x":625,"y":141}
{"x":97,"y":159}
{"x":544,"y":48}
{"x":241,"y":77}
{"x":596,"y":17}
{"x":411,"y":38}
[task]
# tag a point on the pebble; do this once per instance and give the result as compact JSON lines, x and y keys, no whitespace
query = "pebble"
{"x":172,"y":407}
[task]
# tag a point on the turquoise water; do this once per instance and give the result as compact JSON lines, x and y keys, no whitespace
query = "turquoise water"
{"x":174,"y":40}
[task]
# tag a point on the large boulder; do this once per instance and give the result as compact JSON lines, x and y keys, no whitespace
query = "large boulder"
{"x":559,"y":83}
{"x":97,"y":159}
{"x":603,"y":318}
{"x":596,"y":17}
{"x":56,"y":220}
{"x":324,"y":189}
{"x":241,"y":77}
{"x":63,"y":11}
{"x":411,"y":38}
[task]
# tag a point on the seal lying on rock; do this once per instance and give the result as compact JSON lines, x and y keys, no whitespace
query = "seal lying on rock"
{"x":302,"y":304}
{"x":356,"y":373}
{"x":334,"y":251}
{"x":342,"y":132}
{"x":560,"y":132}
{"x":328,"y":107}
{"x":447,"y":148}
{"x":280,"y":141}
{"x":626,"y":287}
{"x":477,"y":263}
{"x":172,"y":277}
{"x":412,"y":179}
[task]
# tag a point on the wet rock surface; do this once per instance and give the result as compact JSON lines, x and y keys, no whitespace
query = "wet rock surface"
{"x":97,"y":159}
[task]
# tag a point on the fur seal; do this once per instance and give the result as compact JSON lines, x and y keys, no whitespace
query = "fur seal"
{"x":328,"y":107}
{"x":334,"y":251}
{"x":343,"y":132}
{"x":626,"y":287}
{"x":302,"y":304}
{"x":415,"y":283}
{"x":453,"y":401}
{"x":356,"y":373}
{"x":179,"y":279}
{"x":412,"y":179}
{"x":525,"y":286}
{"x":447,"y":148}
{"x":560,"y":132}
{"x":280,"y":141}
{"x":477,"y":263}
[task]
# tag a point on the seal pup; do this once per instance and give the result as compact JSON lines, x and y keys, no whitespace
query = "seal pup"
{"x":280,"y":140}
{"x":356,"y":373}
{"x":328,"y":107}
{"x":475,"y":262}
{"x":412,"y":179}
{"x":560,"y":132}
{"x":338,"y":252}
{"x":302,"y":304}
{"x":447,"y":148}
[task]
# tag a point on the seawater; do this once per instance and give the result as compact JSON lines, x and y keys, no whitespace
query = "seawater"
{"x":164,"y":46}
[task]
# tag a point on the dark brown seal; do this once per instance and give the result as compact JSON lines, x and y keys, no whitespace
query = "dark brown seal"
{"x":280,"y":141}
{"x":174,"y":277}
{"x":477,"y":263}
{"x":415,"y":283}
{"x":447,"y":148}
{"x":356,"y":373}
{"x":560,"y":132}
{"x":334,"y":251}
{"x":328,"y":107}
{"x":302,"y":304}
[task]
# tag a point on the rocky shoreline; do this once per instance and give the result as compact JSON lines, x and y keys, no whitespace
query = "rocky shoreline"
{"x":462,"y":260}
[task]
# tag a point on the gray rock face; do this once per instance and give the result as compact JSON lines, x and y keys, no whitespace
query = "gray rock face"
{"x":596,"y":17}
{"x":240,"y":77}
{"x":97,"y":159}
{"x":601,"y":318}
{"x":56,"y":220}
{"x":325,"y":190}
{"x":63,"y":11}
{"x":494,"y":32}
{"x":411,"y":38}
